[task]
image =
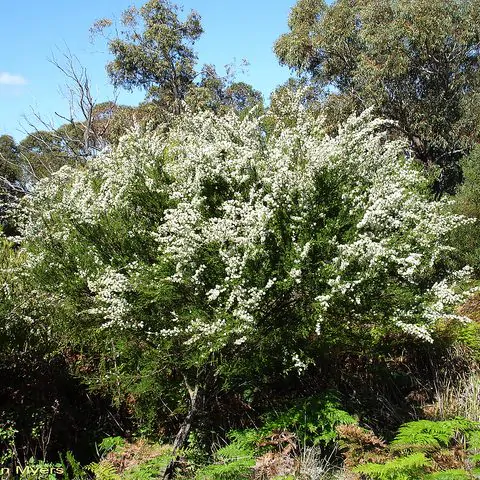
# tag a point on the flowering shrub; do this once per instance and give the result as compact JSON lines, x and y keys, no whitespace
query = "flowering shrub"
{"x":20,"y":328}
{"x":215,"y":237}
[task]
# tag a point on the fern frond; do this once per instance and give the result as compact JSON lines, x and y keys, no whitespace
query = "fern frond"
{"x":103,"y":471}
{"x":474,"y":440}
{"x":449,"y":475}
{"x":403,"y":468}
{"x":429,"y":434}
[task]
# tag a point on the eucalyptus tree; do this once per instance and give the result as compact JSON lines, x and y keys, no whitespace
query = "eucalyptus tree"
{"x":155,"y":51}
{"x":12,"y":180}
{"x":414,"y":61}
{"x":9,"y":158}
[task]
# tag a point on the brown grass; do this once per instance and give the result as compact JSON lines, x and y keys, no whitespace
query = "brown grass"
{"x":471,"y":308}
{"x":136,"y":453}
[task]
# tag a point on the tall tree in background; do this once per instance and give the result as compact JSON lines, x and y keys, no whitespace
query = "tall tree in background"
{"x":45,"y":151}
{"x":221,"y":93}
{"x":155,"y":51}
{"x":416,"y":62}
{"x":241,"y":97}
{"x":11,"y":185}
{"x":9,"y":160}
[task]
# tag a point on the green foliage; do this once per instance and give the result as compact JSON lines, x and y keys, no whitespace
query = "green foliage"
{"x":234,"y":461}
{"x":155,"y":52}
{"x":7,"y":443}
{"x":449,"y":475}
{"x":191,"y":255}
{"x":109,"y":444}
{"x":44,"y":152}
{"x":232,"y":469}
{"x":469,"y":335}
{"x":468,"y":197}
{"x":415,"y":65}
{"x":242,"y":97}
{"x":416,"y":441}
{"x":10,"y":165}
{"x":226,"y":249}
{"x":103,"y":471}
{"x":242,"y":443}
{"x":221,"y":94}
{"x":144,"y":460}
{"x":72,"y":468}
{"x":313,"y":420}
{"x":16,"y":332}
{"x":427,"y":434}
{"x":403,"y":468}
{"x":39,"y":469}
{"x":12,"y":179}
{"x":467,"y":202}
{"x":148,"y":470}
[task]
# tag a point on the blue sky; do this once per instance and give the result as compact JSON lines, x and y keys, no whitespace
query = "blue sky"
{"x":31,"y":31}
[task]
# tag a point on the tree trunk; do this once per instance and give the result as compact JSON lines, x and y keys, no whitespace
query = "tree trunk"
{"x":183,"y":432}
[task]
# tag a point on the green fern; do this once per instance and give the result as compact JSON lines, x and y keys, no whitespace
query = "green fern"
{"x":148,"y":470}
{"x":72,"y":469}
{"x":235,"y":460}
{"x":313,"y":419}
{"x":427,"y":434}
{"x":474,"y":439}
{"x":109,"y":444}
{"x":403,"y":468}
{"x":236,"y":470}
{"x":424,"y":436}
{"x":449,"y":475}
{"x":103,"y":471}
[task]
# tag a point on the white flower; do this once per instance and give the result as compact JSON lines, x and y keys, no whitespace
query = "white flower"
{"x":228,"y":214}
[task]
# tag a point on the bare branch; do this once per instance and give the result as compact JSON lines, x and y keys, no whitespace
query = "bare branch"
{"x":80,"y":137}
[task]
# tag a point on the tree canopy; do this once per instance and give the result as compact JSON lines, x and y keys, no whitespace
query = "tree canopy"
{"x":156,"y":51}
{"x":416,"y":62}
{"x":12,"y":179}
{"x":9,"y":159}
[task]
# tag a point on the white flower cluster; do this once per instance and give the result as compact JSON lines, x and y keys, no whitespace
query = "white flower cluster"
{"x":335,"y":220}
{"x":109,"y":289}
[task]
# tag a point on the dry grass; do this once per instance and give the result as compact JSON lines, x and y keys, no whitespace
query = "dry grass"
{"x":471,"y":308}
{"x":133,"y":454}
{"x":313,"y":465}
{"x":456,"y":398}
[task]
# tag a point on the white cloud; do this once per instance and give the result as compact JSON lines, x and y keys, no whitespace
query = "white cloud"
{"x":9,"y":79}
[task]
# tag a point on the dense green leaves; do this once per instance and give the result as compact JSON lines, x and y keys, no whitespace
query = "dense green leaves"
{"x":156,"y":52}
{"x":9,"y":159}
{"x":415,"y":62}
